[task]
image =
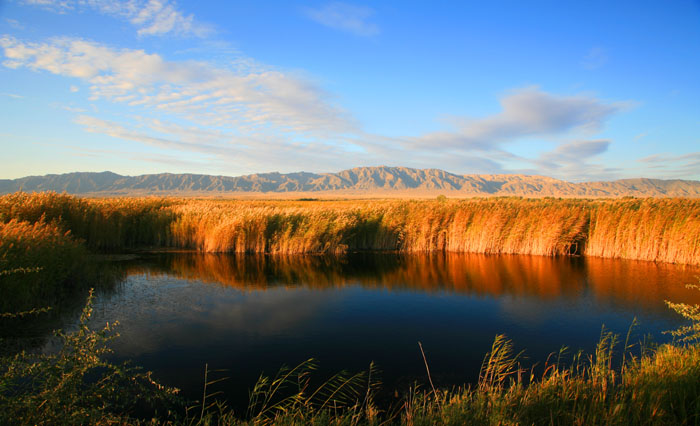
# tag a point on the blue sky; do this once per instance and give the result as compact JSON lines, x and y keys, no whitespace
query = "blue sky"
{"x":577,"y":91}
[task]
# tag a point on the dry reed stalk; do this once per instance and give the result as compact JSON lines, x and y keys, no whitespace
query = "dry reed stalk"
{"x":666,"y":230}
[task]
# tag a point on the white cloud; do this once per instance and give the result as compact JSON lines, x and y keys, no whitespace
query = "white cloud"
{"x":481,"y":145}
{"x":150,"y":17}
{"x":254,"y":99}
{"x":74,"y":89}
{"x":527,"y":112}
{"x":345,"y":17}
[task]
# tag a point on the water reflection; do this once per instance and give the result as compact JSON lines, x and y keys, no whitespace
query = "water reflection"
{"x":627,"y":283}
{"x":32,"y":332}
{"x":250,"y":314}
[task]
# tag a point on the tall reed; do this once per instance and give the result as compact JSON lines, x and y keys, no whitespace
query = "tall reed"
{"x":104,"y":224}
{"x":665,"y":230}
{"x":484,"y":226}
{"x":36,"y":261}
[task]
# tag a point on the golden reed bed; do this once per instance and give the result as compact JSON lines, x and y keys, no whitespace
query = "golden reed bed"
{"x":662,"y":230}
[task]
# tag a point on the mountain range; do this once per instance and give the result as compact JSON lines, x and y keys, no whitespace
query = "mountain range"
{"x":358,"y":182}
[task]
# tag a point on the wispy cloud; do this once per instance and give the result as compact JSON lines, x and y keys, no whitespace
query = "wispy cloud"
{"x":576,"y":152}
{"x":572,"y":161}
{"x":249,"y":99}
{"x":12,"y":95}
{"x":345,"y":17}
{"x":71,"y":108}
{"x":14,"y":24}
{"x":222,"y":149}
{"x":527,"y":112}
{"x":97,"y":125}
{"x":677,"y":166}
{"x":138,"y":158}
{"x":596,"y":58}
{"x":150,"y":17}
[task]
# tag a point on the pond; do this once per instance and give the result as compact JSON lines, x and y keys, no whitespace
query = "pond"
{"x":252,"y":314}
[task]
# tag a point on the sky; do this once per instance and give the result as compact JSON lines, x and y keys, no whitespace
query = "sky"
{"x":580,"y":91}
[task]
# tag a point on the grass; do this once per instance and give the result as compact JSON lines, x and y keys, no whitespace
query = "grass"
{"x":38,"y":261}
{"x":663,"y":230}
{"x":106,"y":224}
{"x":77,"y":385}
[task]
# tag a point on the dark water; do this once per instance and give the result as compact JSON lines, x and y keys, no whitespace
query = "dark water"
{"x":249,"y":315}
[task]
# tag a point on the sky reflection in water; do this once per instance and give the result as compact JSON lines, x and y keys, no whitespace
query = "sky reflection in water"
{"x":253,"y":314}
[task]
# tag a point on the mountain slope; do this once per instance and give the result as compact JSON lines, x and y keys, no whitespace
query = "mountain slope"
{"x":367,"y":181}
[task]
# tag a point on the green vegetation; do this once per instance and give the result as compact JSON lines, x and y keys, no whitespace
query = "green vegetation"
{"x":76,"y":385}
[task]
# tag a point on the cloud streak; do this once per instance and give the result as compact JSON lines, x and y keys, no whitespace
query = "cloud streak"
{"x":677,"y":166}
{"x":250,"y":98}
{"x":12,"y":95}
{"x":97,"y":125}
{"x":572,"y":160}
{"x":345,"y":17}
{"x":527,"y":112}
{"x":576,"y":152}
{"x":222,"y":149}
{"x":150,"y":17}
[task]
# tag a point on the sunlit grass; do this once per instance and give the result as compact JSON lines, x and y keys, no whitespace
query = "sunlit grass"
{"x":36,"y":260}
{"x":666,"y":230}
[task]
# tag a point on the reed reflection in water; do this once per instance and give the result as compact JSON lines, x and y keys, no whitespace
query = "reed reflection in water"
{"x":618,"y":282}
{"x":255,"y":313}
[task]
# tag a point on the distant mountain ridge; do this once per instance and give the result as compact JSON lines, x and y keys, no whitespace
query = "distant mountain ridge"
{"x":367,"y":181}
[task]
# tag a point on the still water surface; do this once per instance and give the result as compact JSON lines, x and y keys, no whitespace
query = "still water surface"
{"x":253,"y":314}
